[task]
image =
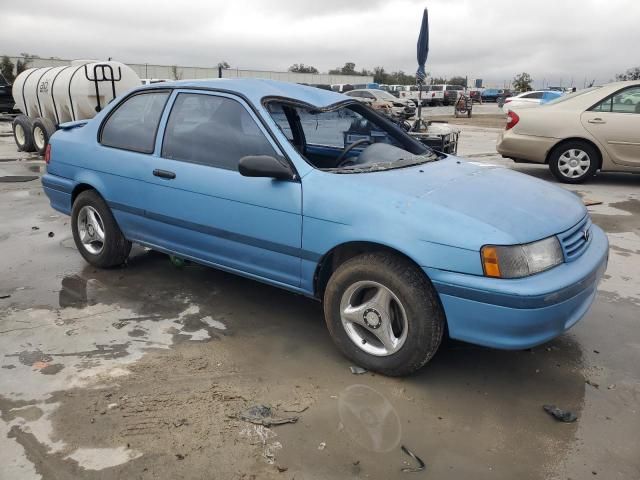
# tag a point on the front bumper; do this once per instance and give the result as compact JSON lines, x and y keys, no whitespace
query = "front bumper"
{"x":522,"y":313}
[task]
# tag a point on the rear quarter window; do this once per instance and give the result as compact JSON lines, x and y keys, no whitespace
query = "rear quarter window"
{"x":133,"y":125}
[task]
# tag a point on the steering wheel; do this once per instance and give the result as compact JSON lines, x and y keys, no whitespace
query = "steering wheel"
{"x":340,"y":160}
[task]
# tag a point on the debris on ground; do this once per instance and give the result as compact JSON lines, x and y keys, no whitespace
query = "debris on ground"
{"x":264,"y":415}
{"x":419,"y":468}
{"x":322,"y":445}
{"x":35,"y":228}
{"x":17,"y":178}
{"x":51,"y":234}
{"x":612,"y":386}
{"x":270,"y":452}
{"x":177,"y":261}
{"x":357,"y":370}
{"x":2,"y":297}
{"x":559,"y":414}
{"x":592,"y":383}
{"x":587,"y":202}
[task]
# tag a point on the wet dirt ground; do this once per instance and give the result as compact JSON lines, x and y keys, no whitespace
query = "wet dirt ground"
{"x":143,"y":371}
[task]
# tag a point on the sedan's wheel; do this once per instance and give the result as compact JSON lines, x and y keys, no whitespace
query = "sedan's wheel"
{"x":91,"y":229}
{"x":383,"y":313}
{"x":96,"y":233}
{"x":573,"y":162}
{"x":373,"y":318}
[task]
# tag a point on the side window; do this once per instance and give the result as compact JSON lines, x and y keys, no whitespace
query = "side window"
{"x":626,"y":101}
{"x":278,"y":115}
{"x":603,"y":106}
{"x":367,"y":95}
{"x":213,"y":131}
{"x":339,"y":128}
{"x":534,"y":95}
{"x":134,"y":123}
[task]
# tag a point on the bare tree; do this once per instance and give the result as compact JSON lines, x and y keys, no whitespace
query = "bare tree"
{"x":175,"y":74}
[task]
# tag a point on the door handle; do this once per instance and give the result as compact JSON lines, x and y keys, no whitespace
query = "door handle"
{"x":596,"y":120}
{"x":164,"y":174}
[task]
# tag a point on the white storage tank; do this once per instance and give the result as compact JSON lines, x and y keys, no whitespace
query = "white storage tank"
{"x":50,"y":96}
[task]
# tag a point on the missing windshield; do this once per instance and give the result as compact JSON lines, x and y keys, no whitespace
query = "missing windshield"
{"x":346,"y":137}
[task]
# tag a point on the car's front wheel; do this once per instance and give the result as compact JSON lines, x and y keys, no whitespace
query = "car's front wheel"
{"x":573,"y":162}
{"x":383,"y":313}
{"x":96,"y":233}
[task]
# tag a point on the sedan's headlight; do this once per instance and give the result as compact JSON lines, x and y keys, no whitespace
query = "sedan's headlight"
{"x":516,"y":261}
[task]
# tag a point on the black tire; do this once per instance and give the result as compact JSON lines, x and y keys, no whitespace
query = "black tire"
{"x":41,"y":132}
{"x":115,"y":247}
{"x":22,"y":133}
{"x":425,"y":320}
{"x":567,"y":174}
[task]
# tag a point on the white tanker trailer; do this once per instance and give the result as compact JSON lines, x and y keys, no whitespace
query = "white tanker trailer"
{"x":50,"y":96}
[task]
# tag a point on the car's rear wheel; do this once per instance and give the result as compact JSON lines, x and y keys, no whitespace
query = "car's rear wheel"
{"x":96,"y":233}
{"x":22,"y":133}
{"x":573,"y":162}
{"x":383,"y":313}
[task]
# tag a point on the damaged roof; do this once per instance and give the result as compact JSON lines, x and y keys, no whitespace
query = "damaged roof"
{"x":256,"y":90}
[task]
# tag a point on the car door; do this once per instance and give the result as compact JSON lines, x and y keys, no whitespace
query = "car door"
{"x":123,"y":156}
{"x":615,"y":123}
{"x":199,"y":204}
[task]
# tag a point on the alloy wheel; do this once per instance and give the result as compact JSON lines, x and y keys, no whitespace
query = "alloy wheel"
{"x":91,"y":230}
{"x":373,"y":318}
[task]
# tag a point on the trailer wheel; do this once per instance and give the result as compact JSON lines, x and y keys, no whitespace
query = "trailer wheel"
{"x":42,"y":130}
{"x":22,"y":133}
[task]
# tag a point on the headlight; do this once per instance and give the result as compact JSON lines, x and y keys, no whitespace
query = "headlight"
{"x":518,"y":261}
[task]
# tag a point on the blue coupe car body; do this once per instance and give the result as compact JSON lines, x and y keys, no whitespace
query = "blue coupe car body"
{"x":438,"y":214}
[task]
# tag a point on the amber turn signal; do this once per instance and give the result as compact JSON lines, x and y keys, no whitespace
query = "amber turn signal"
{"x":490,"y":261}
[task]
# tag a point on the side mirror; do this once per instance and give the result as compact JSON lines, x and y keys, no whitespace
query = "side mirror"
{"x":264,"y":166}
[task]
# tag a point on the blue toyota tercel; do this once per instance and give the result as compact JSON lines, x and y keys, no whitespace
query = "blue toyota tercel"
{"x":314,"y":192}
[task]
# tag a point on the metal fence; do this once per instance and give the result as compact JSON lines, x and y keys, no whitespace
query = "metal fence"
{"x":170,"y":72}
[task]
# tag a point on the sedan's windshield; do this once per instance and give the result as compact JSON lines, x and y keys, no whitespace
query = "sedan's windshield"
{"x":341,"y":139}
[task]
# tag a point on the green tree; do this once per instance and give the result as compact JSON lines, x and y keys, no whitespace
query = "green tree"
{"x":522,"y":82}
{"x":631,"y":74}
{"x":462,"y":81}
{"x":380,"y":76}
{"x":349,"y":69}
{"x":6,"y":69}
{"x":22,"y":65}
{"x":223,"y":64}
{"x":302,"y":68}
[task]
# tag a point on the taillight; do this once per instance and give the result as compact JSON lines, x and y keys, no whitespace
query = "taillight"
{"x":512,"y":120}
{"x":47,"y":154}
{"x":507,"y":101}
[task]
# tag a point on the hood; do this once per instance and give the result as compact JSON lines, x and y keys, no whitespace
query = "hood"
{"x":456,"y":203}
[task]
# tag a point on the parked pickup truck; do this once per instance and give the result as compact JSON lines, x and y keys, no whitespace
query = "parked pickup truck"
{"x":412,"y":92}
{"x":443,"y":94}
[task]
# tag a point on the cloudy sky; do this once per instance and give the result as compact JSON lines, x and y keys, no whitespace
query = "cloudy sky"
{"x":561,"y":40}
